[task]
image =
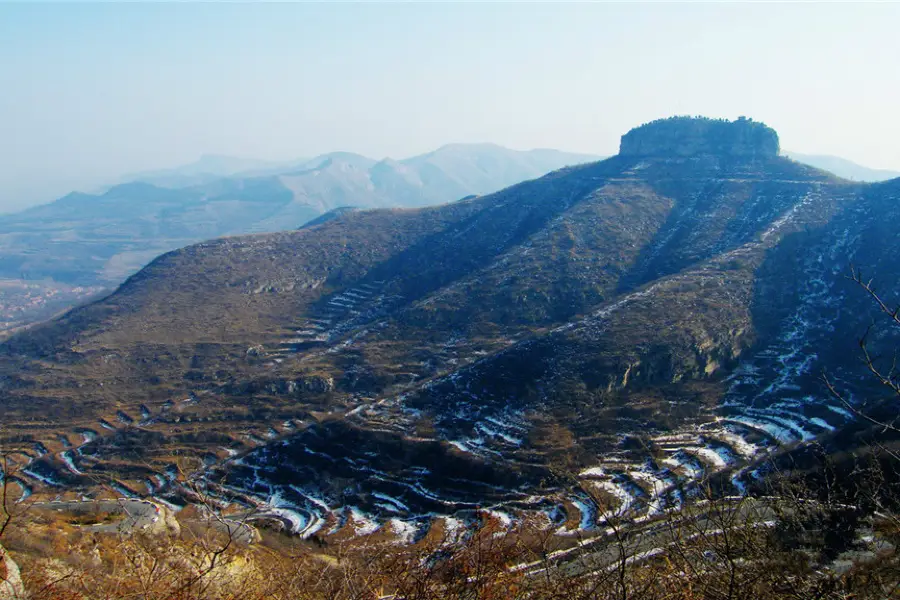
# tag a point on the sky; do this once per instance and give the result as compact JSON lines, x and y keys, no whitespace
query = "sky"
{"x":89,"y":92}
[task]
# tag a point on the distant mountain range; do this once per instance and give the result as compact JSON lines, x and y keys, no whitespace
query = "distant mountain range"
{"x":214,"y":166}
{"x":207,"y":168}
{"x":643,"y":325}
{"x":843,"y":167}
{"x":99,"y":239}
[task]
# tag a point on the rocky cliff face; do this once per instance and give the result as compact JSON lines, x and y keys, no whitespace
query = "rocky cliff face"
{"x":685,"y":136}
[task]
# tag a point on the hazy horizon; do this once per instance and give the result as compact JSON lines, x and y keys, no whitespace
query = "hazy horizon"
{"x":93,"y":92}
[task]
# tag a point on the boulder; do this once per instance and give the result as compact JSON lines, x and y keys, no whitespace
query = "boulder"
{"x":315,"y":384}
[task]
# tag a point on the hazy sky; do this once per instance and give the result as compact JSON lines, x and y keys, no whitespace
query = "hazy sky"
{"x":91,"y":91}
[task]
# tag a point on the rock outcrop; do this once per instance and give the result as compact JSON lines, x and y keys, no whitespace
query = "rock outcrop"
{"x":688,"y":136}
{"x":10,"y":579}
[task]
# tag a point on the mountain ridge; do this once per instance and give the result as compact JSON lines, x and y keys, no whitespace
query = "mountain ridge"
{"x":580,"y":321}
{"x":85,"y":240}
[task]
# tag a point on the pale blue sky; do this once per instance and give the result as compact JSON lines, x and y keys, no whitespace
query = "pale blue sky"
{"x":91,"y":91}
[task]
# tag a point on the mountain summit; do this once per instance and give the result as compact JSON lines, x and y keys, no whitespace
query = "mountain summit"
{"x":642,"y":323}
{"x":691,"y":136}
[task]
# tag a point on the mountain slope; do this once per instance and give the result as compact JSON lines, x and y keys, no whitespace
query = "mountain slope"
{"x":645,"y":321}
{"x":108,"y":236}
{"x":98,"y":240}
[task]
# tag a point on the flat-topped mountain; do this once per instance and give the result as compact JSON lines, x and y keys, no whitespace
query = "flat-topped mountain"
{"x":642,"y":323}
{"x":687,"y":136}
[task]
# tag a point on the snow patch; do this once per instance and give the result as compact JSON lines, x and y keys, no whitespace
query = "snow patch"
{"x":404,"y":530}
{"x":363,"y":524}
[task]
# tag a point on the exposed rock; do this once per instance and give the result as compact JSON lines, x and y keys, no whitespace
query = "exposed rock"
{"x":310,"y":384}
{"x":315,"y":384}
{"x":687,"y":136}
{"x":170,"y":522}
{"x":10,"y":579}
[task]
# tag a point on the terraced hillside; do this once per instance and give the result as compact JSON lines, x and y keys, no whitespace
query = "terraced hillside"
{"x":640,"y":323}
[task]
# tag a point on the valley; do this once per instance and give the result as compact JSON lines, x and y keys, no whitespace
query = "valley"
{"x":449,"y":301}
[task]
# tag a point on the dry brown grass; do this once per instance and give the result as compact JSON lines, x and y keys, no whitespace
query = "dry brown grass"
{"x":724,"y":559}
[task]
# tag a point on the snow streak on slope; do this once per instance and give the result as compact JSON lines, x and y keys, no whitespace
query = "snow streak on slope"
{"x":771,"y":402}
